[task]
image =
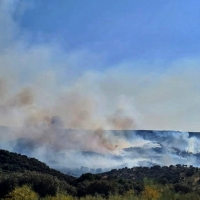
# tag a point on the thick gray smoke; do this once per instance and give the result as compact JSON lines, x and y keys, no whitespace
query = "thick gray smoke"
{"x":62,"y":148}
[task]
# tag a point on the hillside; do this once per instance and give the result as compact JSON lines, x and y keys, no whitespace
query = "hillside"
{"x":13,"y":162}
{"x":179,"y":174}
{"x":17,"y":172}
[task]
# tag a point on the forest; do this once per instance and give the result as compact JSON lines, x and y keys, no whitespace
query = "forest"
{"x":22,"y":177}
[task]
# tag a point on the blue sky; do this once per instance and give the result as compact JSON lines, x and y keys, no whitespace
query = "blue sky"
{"x":118,"y":30}
{"x":141,"y":57}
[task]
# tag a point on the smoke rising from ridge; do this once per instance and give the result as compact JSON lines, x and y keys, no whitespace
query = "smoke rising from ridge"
{"x":45,"y":90}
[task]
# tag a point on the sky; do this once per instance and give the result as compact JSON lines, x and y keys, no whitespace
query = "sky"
{"x":97,"y":64}
{"x":118,"y":30}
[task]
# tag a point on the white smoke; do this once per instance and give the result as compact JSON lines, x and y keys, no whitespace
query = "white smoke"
{"x":41,"y":81}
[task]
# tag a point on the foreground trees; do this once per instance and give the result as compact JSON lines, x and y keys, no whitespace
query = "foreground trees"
{"x":22,"y":193}
{"x":151,"y":192}
{"x":27,"y":178}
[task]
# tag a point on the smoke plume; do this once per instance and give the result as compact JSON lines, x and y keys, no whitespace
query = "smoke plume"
{"x":60,"y":112}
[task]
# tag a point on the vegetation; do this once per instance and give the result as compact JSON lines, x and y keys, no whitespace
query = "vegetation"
{"x":27,"y":178}
{"x":13,"y":162}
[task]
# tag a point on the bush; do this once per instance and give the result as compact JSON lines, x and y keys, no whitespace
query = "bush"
{"x":182,"y":188}
{"x":22,"y":193}
{"x":87,"y":176}
{"x":7,"y":185}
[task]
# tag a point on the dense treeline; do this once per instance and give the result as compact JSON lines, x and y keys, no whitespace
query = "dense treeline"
{"x":13,"y":162}
{"x":164,"y":175}
{"x":27,"y":178}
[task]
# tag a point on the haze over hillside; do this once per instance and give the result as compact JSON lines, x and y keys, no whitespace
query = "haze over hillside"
{"x":30,"y":179}
{"x":73,"y":71}
{"x":67,"y":148}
